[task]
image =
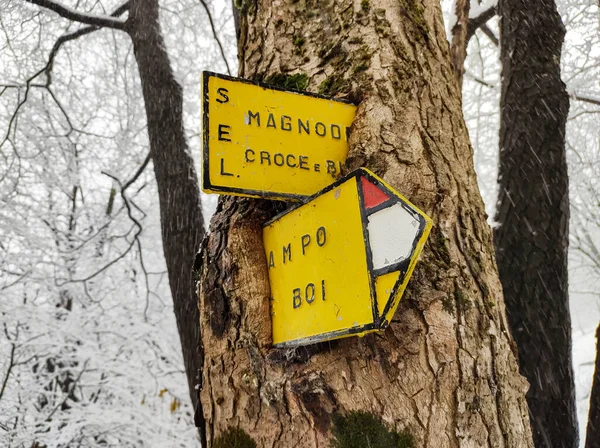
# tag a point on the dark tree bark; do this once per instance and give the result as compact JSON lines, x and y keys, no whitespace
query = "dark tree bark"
{"x":181,"y":215}
{"x":592,"y":439}
{"x":533,"y":213}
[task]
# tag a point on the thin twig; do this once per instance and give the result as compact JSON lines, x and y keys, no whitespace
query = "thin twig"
{"x":11,"y":364}
{"x":137,"y":223}
{"x":586,"y":99}
{"x":137,"y":173}
{"x":73,"y":385}
{"x":214,"y":31}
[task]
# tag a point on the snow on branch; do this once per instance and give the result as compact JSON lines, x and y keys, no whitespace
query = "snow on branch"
{"x":77,"y":34}
{"x":82,"y":17}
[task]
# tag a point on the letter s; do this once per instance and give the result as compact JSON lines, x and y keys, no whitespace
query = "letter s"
{"x":222,"y":91}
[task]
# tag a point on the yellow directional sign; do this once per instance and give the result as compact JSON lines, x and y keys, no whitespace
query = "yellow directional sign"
{"x":339,"y":263}
{"x":266,"y":142}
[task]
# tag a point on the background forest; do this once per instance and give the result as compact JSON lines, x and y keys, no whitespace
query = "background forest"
{"x":89,"y":352}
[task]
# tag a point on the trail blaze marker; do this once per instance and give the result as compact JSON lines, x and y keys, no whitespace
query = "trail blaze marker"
{"x":339,"y":263}
{"x":266,"y":142}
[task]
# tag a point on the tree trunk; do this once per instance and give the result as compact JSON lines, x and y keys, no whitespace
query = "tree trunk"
{"x":179,"y":198}
{"x":533,"y":213}
{"x":444,"y":370}
{"x":592,"y":438}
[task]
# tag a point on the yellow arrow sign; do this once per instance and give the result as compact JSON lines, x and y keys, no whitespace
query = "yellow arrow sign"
{"x":339,"y":263}
{"x":266,"y":142}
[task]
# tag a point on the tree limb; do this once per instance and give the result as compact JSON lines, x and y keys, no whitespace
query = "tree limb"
{"x":11,"y":364}
{"x":76,"y":16}
{"x":586,"y":99}
{"x":490,"y":34}
{"x":136,"y":175}
{"x":46,"y":69}
{"x":137,"y":223}
{"x":477,"y":22}
{"x":77,"y":34}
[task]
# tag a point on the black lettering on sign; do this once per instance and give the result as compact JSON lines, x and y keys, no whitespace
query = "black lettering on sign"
{"x":323,"y":129}
{"x":252,"y":115}
{"x":331,"y":167}
{"x":286,"y":123}
{"x":304,"y":163}
{"x":321,"y":236}
{"x":287,"y":251}
{"x":271,"y":122}
{"x":247,"y":154}
{"x":264,"y":155}
{"x":336,"y":132}
{"x":317,"y":168}
{"x":305,"y":240}
{"x":224,"y":132}
{"x":223,"y":173}
{"x":309,"y":293}
{"x":223,"y":92}
{"x":271,"y":260}
{"x":323,"y":289}
{"x":302,"y":126}
{"x":297,"y":298}
{"x":287,"y":160}
{"x":278,"y":161}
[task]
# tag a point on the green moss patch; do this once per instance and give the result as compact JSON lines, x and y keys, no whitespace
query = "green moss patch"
{"x":333,"y":85}
{"x":362,"y":429}
{"x":298,"y":81}
{"x":234,"y":438}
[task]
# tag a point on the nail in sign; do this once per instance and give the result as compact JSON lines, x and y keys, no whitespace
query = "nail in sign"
{"x":339,"y":263}
{"x":262,"y":141}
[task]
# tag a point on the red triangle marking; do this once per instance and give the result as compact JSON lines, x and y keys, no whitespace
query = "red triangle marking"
{"x":372,"y":194}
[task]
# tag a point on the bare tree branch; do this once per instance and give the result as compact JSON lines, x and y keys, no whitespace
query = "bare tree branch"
{"x":586,"y":99}
{"x":479,"y":21}
{"x":137,"y":223}
{"x":490,"y":34}
{"x":77,"y":34}
{"x":76,"y":16}
{"x":214,"y":31}
{"x":137,"y":173}
{"x":11,"y":364}
{"x":71,"y":389}
{"x":46,"y":69}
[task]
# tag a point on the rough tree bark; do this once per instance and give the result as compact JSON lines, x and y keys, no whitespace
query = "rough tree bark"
{"x":179,"y":198}
{"x":592,"y":439}
{"x":445,"y":370}
{"x":533,"y":213}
